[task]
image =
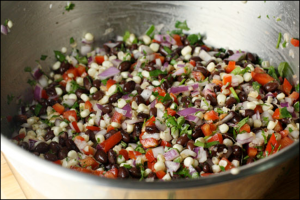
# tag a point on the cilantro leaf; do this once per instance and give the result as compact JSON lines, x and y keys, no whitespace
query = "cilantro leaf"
{"x":43,"y":57}
{"x":27,"y":69}
{"x":59,"y":56}
{"x":278,"y":40}
{"x":31,"y":82}
{"x":140,"y":149}
{"x":104,"y":82}
{"x":126,"y":36}
{"x":242,"y":123}
{"x":283,"y":69}
{"x":127,"y":166}
{"x":150,"y":30}
{"x":193,"y":38}
{"x":210,"y":144}
{"x":296,"y":106}
{"x":236,"y":71}
{"x":199,"y":144}
{"x":256,"y":86}
{"x":272,"y":72}
{"x":297,"y":88}
{"x":222,"y":168}
{"x":244,"y":71}
{"x":284,"y":113}
{"x":176,"y":32}
{"x":37,"y":109}
{"x":234,"y":94}
{"x":182,"y":25}
{"x":167,"y":49}
{"x":157,"y":72}
{"x":184,"y":172}
{"x":219,"y":110}
{"x":69,"y":7}
{"x":72,"y":40}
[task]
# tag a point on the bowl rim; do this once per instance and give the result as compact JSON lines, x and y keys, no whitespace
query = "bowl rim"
{"x":11,"y":149}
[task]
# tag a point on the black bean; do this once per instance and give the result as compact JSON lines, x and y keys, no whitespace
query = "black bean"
{"x":212,"y":99}
{"x":152,"y":175}
{"x":25,"y":145}
{"x":125,"y":136}
{"x":196,"y":58}
{"x":230,"y":102}
{"x":197,"y":102}
{"x":123,"y":173}
{"x":136,"y":131}
{"x":221,"y":147}
{"x":236,"y":117}
{"x":63,"y":153}
{"x":175,"y":176}
{"x":202,"y":69}
{"x":51,"y":102}
{"x":129,"y":86}
{"x":139,"y":99}
{"x":112,"y":157}
{"x":134,"y":47}
{"x":64,"y":66}
{"x":142,"y":116}
{"x":190,"y":145}
{"x":243,"y":96}
{"x":162,"y":51}
{"x":20,"y":118}
{"x":180,"y":78}
{"x":49,"y":135}
{"x":54,"y":147}
{"x":165,"y":85}
{"x":87,"y":83}
{"x":51,"y":91}
{"x":152,"y":129}
{"x":217,"y":88}
{"x":134,"y":172}
{"x":97,"y":83}
{"x":124,"y":66}
{"x":149,"y":68}
{"x":114,"y":98}
{"x":71,"y":145}
{"x":50,"y":157}
{"x":91,"y":135}
{"x":62,"y":138}
{"x":182,"y":140}
{"x":285,"y":121}
{"x":41,"y":147}
{"x":98,"y":95}
{"x":36,"y":153}
{"x":110,"y":133}
{"x":198,"y":169}
{"x":250,"y":160}
{"x":101,"y":156}
{"x":170,"y":79}
{"x":249,"y":113}
{"x":230,"y":52}
{"x":107,"y":109}
{"x":271,"y":86}
{"x":197,"y":132}
{"x":161,"y":76}
{"x":153,"y":111}
{"x":206,"y":168}
{"x":237,"y":151}
{"x":80,"y":91}
{"x":167,"y":103}
{"x":251,"y":57}
{"x":256,"y":130}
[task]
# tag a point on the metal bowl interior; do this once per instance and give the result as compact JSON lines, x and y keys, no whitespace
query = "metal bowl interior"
{"x":38,"y":30}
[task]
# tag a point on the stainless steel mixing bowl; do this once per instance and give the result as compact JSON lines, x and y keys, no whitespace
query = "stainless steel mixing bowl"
{"x":39,"y":29}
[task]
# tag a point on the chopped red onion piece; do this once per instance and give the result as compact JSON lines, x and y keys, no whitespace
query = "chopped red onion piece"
{"x":179,"y":89}
{"x":116,"y":62}
{"x":227,"y":118}
{"x":289,"y":100}
{"x":111,"y":45}
{"x":43,"y":81}
{"x":85,"y":41}
{"x":244,"y":138}
{"x":217,"y":77}
{"x":121,"y":111}
{"x":165,"y":39}
{"x":36,"y":73}
{"x":57,"y":122}
{"x":124,"y":126}
{"x":192,"y":170}
{"x":189,"y":111}
{"x":171,"y":155}
{"x":172,"y":166}
{"x":202,"y":155}
{"x":31,"y":143}
{"x":112,"y":71}
{"x":80,"y":144}
{"x":284,"y":104}
{"x":85,"y":49}
{"x":98,"y":117}
{"x":38,"y":92}
{"x":180,"y":65}
{"x":165,"y":44}
{"x":290,"y":109}
{"x":152,"y":105}
{"x":128,"y":109}
{"x":4,"y":30}
{"x":237,"y":57}
{"x":179,"y":71}
{"x":158,"y":150}
{"x":192,"y":118}
{"x":195,"y":93}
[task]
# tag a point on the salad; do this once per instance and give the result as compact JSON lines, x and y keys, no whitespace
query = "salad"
{"x":159,"y":106}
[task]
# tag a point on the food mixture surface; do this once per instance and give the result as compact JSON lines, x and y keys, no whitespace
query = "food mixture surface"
{"x":159,"y":106}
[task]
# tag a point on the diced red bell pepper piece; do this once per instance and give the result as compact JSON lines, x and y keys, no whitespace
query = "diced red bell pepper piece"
{"x":149,"y":155}
{"x":230,"y":67}
{"x":81,"y":70}
{"x":177,"y":38}
{"x":287,"y":87}
{"x":124,"y":153}
{"x":295,"y":42}
{"x":74,"y":124}
{"x":110,"y":83}
{"x":229,"y":164}
{"x":252,"y":152}
{"x":211,"y":115}
{"x":160,"y":91}
{"x":99,"y":59}
{"x":206,"y":129}
{"x":117,"y":117}
{"x":109,"y":128}
{"x":206,"y":174}
{"x":173,"y":96}
{"x":217,"y":137}
{"x":160,"y":174}
{"x":89,"y":162}
{"x":81,"y":169}
{"x":149,"y":142}
{"x":133,"y":154}
{"x":70,"y":74}
{"x":278,"y":127}
{"x":150,"y":165}
{"x":192,"y":62}
{"x":227,"y":79}
{"x":111,"y":141}
{"x":294,"y":96}
{"x":93,"y":128}
{"x":19,"y":137}
{"x":151,"y":121}
{"x":58,"y":108}
{"x":259,"y":109}
{"x":113,"y":173}
{"x":284,"y":133}
{"x":58,"y":162}
{"x":70,"y":115}
{"x":284,"y":142}
{"x":171,"y":112}
{"x":198,"y":76}
{"x":217,"y":82}
{"x":272,"y":146}
{"x":261,"y":77}
{"x":165,"y":144}
{"x":276,"y":114}
{"x":88,"y":105}
{"x":157,"y":55}
{"x":246,"y":128}
{"x":90,"y":151}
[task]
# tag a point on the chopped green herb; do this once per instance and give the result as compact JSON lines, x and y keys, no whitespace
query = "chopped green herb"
{"x":246,"y":70}
{"x":59,"y":56}
{"x":182,"y":25}
{"x":142,"y":173}
{"x":290,"y":129}
{"x":157,"y":72}
{"x":222,"y":168}
{"x":126,"y":36}
{"x":256,"y":86}
{"x":98,"y":140}
{"x":127,"y":166}
{"x":284,"y":113}
{"x":10,"y":98}
{"x":72,"y":40}
{"x":193,"y":38}
{"x":296,"y":106}
{"x":140,"y":149}
{"x":43,"y":57}
{"x":297,"y":88}
{"x":59,"y":80}
{"x":236,"y":71}
{"x":69,"y":7}
{"x":123,"y":144}
{"x":219,"y":110}
{"x":37,"y":109}
{"x":245,"y":158}
{"x":272,"y":72}
{"x":82,"y":60}
{"x":199,"y":144}
{"x":170,"y":122}
{"x":278,"y":41}
{"x":27,"y":69}
{"x":182,"y":82}
{"x":242,"y":123}
{"x":104,"y":82}
{"x":284,"y":68}
{"x":278,"y":19}
{"x":119,"y":88}
{"x":210,"y":144}
{"x":167,"y":49}
{"x":184,"y":172}
{"x":266,"y":120}
{"x":176,"y":32}
{"x":268,"y":17}
{"x":31,"y":82}
{"x":150,"y":30}
{"x":259,"y":17}
{"x":234,"y":94}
